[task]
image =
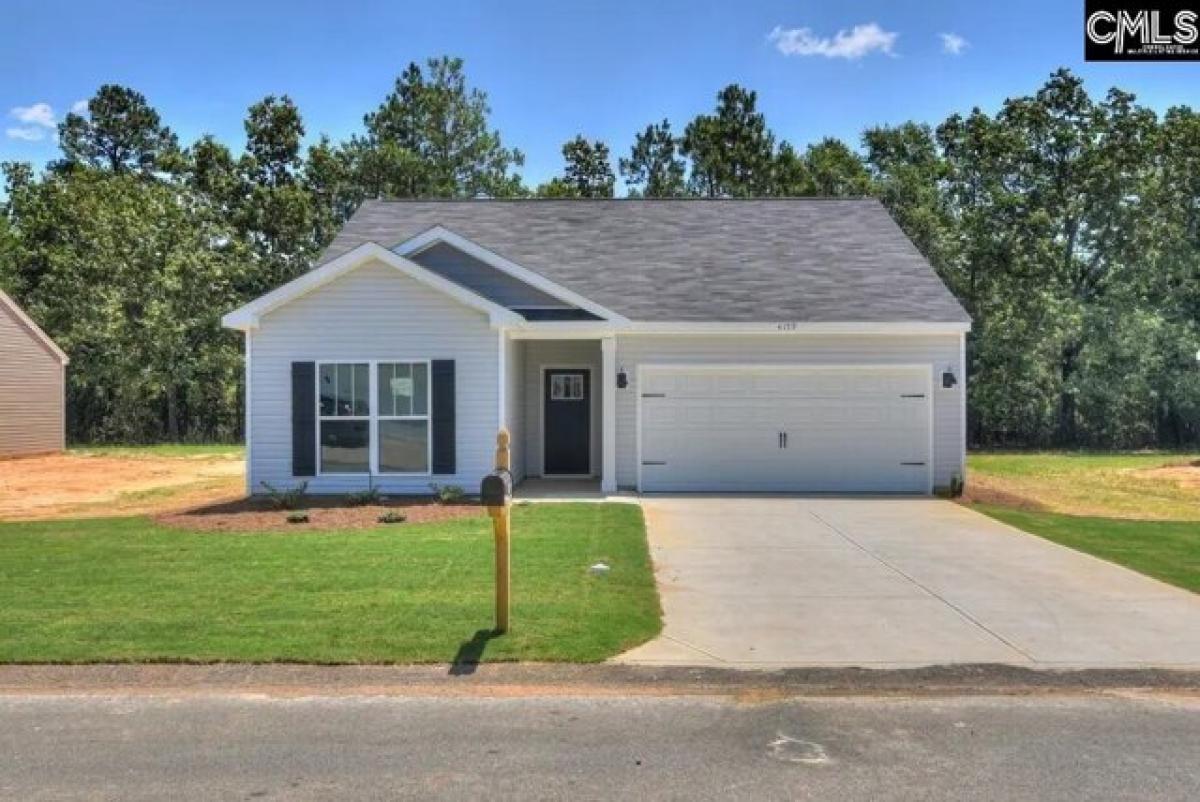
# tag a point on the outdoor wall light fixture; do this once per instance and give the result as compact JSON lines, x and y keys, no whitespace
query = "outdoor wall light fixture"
{"x":948,"y":379}
{"x":622,"y":379}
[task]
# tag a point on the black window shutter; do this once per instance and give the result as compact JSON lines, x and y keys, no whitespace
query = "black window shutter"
{"x":442,"y":386}
{"x":304,"y":419}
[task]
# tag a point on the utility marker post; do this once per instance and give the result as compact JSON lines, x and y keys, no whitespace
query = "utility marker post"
{"x":496,"y":495}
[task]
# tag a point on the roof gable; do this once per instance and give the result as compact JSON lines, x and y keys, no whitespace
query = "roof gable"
{"x":484,"y":279}
{"x":250,"y":315}
{"x":440,"y":235}
{"x":35,"y":331}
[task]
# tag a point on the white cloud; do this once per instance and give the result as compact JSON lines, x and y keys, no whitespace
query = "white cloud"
{"x":953,"y":44}
{"x":27,"y":133}
{"x":859,"y":41}
{"x":37,"y":114}
{"x":79,"y":107}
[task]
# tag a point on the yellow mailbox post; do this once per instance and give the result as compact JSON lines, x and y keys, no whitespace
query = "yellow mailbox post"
{"x":496,"y":494}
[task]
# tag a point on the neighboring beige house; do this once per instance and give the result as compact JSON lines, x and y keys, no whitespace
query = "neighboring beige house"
{"x":32,"y":372}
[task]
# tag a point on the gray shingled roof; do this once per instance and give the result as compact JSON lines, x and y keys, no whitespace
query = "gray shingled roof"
{"x":818,"y":260}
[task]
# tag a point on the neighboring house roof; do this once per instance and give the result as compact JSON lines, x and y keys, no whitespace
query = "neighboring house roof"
{"x":27,"y":322}
{"x":803,"y":259}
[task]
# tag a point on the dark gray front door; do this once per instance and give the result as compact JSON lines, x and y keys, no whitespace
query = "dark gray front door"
{"x":567,"y":429}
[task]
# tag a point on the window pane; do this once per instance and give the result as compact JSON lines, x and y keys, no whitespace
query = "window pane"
{"x":399,"y":387}
{"x":327,"y":387}
{"x":420,"y":402}
{"x":384,"y":388}
{"x":345,"y":389}
{"x":362,"y":389}
{"x":403,"y":446}
{"x":345,"y":446}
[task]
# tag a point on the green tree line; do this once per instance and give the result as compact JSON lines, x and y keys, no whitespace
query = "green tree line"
{"x":1068,"y":225}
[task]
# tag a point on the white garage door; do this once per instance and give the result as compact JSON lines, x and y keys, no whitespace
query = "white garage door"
{"x":810,"y":429}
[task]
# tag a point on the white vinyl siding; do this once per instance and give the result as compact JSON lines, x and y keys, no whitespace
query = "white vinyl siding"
{"x":940,"y":352}
{"x":374,"y":314}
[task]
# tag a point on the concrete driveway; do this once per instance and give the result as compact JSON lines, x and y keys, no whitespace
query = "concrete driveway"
{"x":888,"y":582}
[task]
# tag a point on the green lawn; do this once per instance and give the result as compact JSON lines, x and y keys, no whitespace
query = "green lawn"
{"x":1166,"y":550}
{"x":164,"y":450}
{"x":122,"y":589}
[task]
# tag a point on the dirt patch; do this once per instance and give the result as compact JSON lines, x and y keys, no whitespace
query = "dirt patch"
{"x":324,"y":513}
{"x":980,"y":493}
{"x":81,"y":485}
{"x":1186,"y":476}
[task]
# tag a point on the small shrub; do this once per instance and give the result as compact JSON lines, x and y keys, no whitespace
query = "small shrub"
{"x":392,"y":517}
{"x":298,"y":517}
{"x":447,"y":494}
{"x":290,"y":498}
{"x":364,"y":497}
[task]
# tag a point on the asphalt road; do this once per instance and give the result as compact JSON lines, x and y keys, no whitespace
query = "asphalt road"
{"x":244,"y":746}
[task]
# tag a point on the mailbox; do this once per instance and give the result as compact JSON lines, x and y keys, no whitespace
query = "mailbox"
{"x":496,"y":489}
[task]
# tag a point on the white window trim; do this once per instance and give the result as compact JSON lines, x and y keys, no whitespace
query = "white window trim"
{"x":373,"y":417}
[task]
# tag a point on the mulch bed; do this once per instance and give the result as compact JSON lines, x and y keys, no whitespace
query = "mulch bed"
{"x":324,"y":513}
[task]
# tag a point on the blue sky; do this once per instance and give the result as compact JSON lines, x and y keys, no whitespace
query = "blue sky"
{"x":552,"y":69}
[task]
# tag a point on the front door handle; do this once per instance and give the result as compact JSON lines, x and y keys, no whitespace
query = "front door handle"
{"x":785,"y":439}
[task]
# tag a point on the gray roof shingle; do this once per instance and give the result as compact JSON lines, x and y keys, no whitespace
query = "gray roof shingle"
{"x":804,"y":260}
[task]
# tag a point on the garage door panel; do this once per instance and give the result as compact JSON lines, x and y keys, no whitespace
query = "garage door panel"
{"x":847,"y":429}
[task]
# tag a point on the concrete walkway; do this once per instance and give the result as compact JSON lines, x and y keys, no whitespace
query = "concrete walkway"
{"x":568,"y":490}
{"x":894,"y":582}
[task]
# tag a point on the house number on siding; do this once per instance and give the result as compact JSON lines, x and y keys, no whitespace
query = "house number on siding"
{"x":785,"y":326}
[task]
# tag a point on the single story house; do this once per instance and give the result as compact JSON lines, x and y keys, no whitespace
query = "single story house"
{"x":656,"y":345}
{"x":32,"y":386}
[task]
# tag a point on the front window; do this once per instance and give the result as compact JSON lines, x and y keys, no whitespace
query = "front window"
{"x":345,"y":420}
{"x":403,"y":390}
{"x":373,"y":417}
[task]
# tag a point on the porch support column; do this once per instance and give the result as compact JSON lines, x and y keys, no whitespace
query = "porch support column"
{"x":608,"y":414}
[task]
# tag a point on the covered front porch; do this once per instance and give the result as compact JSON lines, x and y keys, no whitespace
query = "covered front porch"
{"x":559,"y":403}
